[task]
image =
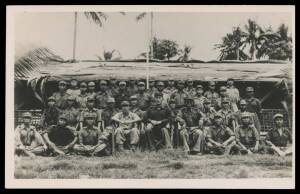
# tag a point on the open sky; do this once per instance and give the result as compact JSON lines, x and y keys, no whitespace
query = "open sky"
{"x":199,"y":30}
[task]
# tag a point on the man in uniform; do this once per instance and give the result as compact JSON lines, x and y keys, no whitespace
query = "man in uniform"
{"x":278,"y":138}
{"x":247,"y":137}
{"x":60,"y":138}
{"x":233,"y":94}
{"x":142,"y":96}
{"x":61,"y":96}
{"x":157,"y":130}
{"x":73,"y":89}
{"x":71,"y":112}
{"x":91,"y":141}
{"x":81,"y":99}
{"x":220,"y":139}
{"x":253,"y":104}
{"x":219,"y":100}
{"x":199,"y":98}
{"x":160,"y":89}
{"x":50,"y":114}
{"x":108,"y":113}
{"x":180,"y":95}
{"x":27,"y":140}
{"x":227,"y":114}
{"x":90,"y":108}
{"x":113,"y":87}
{"x":170,"y":89}
{"x":152,"y":88}
{"x":191,"y":135}
{"x":132,"y":88}
{"x":102,"y":96}
{"x":208,"y":114}
{"x":122,"y":95}
{"x":160,"y":97}
{"x":211,"y":93}
{"x":127,"y":130}
{"x":190,"y":87}
{"x":91,"y":89}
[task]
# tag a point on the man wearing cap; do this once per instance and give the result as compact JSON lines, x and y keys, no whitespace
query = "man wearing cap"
{"x":247,"y":137}
{"x":160,"y":88}
{"x":190,"y":87}
{"x":219,"y":100}
{"x":253,"y":116}
{"x":73,"y":90}
{"x":127,"y":131}
{"x":81,"y":99}
{"x":61,"y":96}
{"x":157,"y":126}
{"x":108,"y":113}
{"x":227,"y":113}
{"x":122,"y":95}
{"x":132,"y":87}
{"x":71,"y":112}
{"x":253,"y":104}
{"x":233,"y":94}
{"x":211,"y":93}
{"x":170,"y":89}
{"x":60,"y":138}
{"x":91,"y":141}
{"x":278,"y":138}
{"x":91,"y":89}
{"x":160,"y":97}
{"x":199,"y":98}
{"x":142,"y":96}
{"x":191,"y":135}
{"x":28,"y":141}
{"x":208,"y":114}
{"x":220,"y":139}
{"x":50,"y":114}
{"x":180,"y":95}
{"x":102,"y":95}
{"x":90,"y":109}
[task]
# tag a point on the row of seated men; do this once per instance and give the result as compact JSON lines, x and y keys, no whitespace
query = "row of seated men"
{"x":198,"y":132}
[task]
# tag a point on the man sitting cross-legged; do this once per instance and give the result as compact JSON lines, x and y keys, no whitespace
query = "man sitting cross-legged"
{"x":91,"y":141}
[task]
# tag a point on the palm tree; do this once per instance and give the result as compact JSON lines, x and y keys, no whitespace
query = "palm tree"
{"x":185,"y":53}
{"x":110,"y":55}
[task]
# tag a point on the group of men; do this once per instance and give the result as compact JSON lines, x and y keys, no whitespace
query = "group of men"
{"x":126,"y":116}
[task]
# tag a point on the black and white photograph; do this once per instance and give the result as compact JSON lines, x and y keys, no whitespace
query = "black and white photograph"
{"x":150,"y":97}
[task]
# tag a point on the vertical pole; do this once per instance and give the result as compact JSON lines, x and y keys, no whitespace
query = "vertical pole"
{"x":151,"y":36}
{"x":147,"y":55}
{"x":74,"y":38}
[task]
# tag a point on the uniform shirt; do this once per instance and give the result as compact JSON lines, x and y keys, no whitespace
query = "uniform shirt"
{"x":191,"y":117}
{"x":91,"y":94}
{"x":219,"y":134}
{"x":278,"y":139}
{"x":95,"y":112}
{"x":25,"y":135}
{"x":60,"y":99}
{"x":198,"y":101}
{"x":228,"y":116}
{"x":212,"y":96}
{"x":179,"y":97}
{"x":72,"y":114}
{"x":253,"y":105}
{"x":122,"y":95}
{"x":143,"y":100}
{"x":247,"y":135}
{"x":169,"y":90}
{"x":101,"y":99}
{"x":138,"y":111}
{"x":73,"y":92}
{"x":114,"y":90}
{"x":81,"y":100}
{"x":208,"y":117}
{"x":190,"y":91}
{"x":218,"y":103}
{"x":50,"y":116}
{"x":107,"y":114}
{"x":253,"y":119}
{"x":129,"y":117}
{"x":61,"y":135}
{"x":233,"y":94}
{"x":89,"y":136}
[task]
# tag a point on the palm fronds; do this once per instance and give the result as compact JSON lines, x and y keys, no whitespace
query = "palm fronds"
{"x":140,"y":16}
{"x":96,"y":17}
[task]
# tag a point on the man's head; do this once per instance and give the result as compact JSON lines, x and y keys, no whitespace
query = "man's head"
{"x":199,"y":89}
{"x":91,"y":86}
{"x":190,"y":82}
{"x":141,"y":86}
{"x":172,"y":104}
{"x":103,"y":85}
{"x":278,"y":119}
{"x":122,"y":85}
{"x":160,"y":86}
{"x":212,"y":85}
{"x":207,"y":104}
{"x":71,"y":101}
{"x":133,"y":101}
{"x":151,"y":83}
{"x":171,"y":83}
{"x":250,"y":91}
{"x":223,"y":90}
{"x":62,"y":120}
{"x":245,"y":118}
{"x":125,"y":106}
{"x":111,"y":102}
{"x":62,"y":86}
{"x":27,"y":116}
{"x":230,"y":82}
{"x":112,"y":81}
{"x":51,"y":101}
{"x":90,"y":102}
{"x":73,"y":83}
{"x":243,"y":105}
{"x":83,"y":87}
{"x":218,"y":119}
{"x":225,"y":103}
{"x":132,"y":82}
{"x":89,"y":119}
{"x":189,"y":101}
{"x":180,"y":84}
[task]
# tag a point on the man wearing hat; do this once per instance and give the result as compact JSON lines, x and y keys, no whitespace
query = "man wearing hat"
{"x":122,"y":95}
{"x":90,"y":109}
{"x":191,"y":134}
{"x":170,"y":89}
{"x":190,"y":87}
{"x":211,"y":93}
{"x":253,"y":117}
{"x":219,"y":139}
{"x":132,"y":87}
{"x":199,"y":98}
{"x":28,"y":141}
{"x":60,"y":138}
{"x":247,"y":136}
{"x":102,"y":95}
{"x":61,"y":96}
{"x":91,"y":89}
{"x":208,"y":114}
{"x":279,"y":138}
{"x":91,"y":141}
{"x":50,"y":114}
{"x":81,"y":99}
{"x":73,"y":90}
{"x":227,"y":113}
{"x":233,"y":94}
{"x":180,"y":95}
{"x":71,"y":112}
{"x":127,"y":131}
{"x":142,"y":96}
{"x":253,"y":104}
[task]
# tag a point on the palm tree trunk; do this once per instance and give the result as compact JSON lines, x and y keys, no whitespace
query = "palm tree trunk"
{"x":75,"y":36}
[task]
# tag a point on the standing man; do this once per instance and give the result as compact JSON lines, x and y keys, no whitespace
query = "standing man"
{"x":81,"y":99}
{"x":190,"y":87}
{"x":60,"y":138}
{"x":160,"y":89}
{"x":132,"y":88}
{"x":253,"y":104}
{"x":127,"y":130}
{"x":219,"y":100}
{"x":122,"y":95}
{"x":113,"y":87}
{"x":142,"y":96}
{"x":102,"y":96}
{"x":27,"y":140}
{"x":227,"y":114}
{"x":191,"y":135}
{"x":108,"y":113}
{"x":208,"y":114}
{"x":71,"y":112}
{"x":170,"y":89}
{"x":279,"y":137}
{"x":91,"y":89}
{"x":180,"y":95}
{"x":199,"y":98}
{"x":61,"y":96}
{"x":152,"y":89}
{"x":90,"y":109}
{"x":73,"y":89}
{"x":211,"y":93}
{"x":233,"y":94}
{"x":50,"y":114}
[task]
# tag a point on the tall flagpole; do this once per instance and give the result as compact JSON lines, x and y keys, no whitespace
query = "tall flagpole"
{"x":74,"y":38}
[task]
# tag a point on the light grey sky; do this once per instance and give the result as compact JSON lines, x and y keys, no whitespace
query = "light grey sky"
{"x":199,"y":30}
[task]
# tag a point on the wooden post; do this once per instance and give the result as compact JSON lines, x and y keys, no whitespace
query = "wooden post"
{"x":74,"y":38}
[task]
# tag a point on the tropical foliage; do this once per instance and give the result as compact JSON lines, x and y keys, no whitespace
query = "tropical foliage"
{"x":110,"y":55}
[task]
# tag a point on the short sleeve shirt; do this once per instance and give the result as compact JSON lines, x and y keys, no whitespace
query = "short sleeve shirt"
{"x":220,"y":134}
{"x":81,"y":100}
{"x":278,"y":139}
{"x":26,"y":135}
{"x":130,"y":117}
{"x":247,"y":135}
{"x":179,"y":97}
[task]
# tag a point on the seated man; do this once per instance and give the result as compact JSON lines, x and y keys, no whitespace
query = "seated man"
{"x":220,"y":139}
{"x":91,"y":141}
{"x":190,"y":134}
{"x":247,"y":136}
{"x":127,"y":130}
{"x":278,"y":138}
{"x":60,"y":138}
{"x":27,"y":140}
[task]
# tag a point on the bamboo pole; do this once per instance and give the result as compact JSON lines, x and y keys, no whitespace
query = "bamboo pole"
{"x":74,"y":38}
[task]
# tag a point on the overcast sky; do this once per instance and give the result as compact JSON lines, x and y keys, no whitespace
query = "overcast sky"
{"x":199,"y":30}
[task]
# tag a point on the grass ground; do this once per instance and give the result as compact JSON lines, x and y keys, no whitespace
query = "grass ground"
{"x":163,"y":164}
